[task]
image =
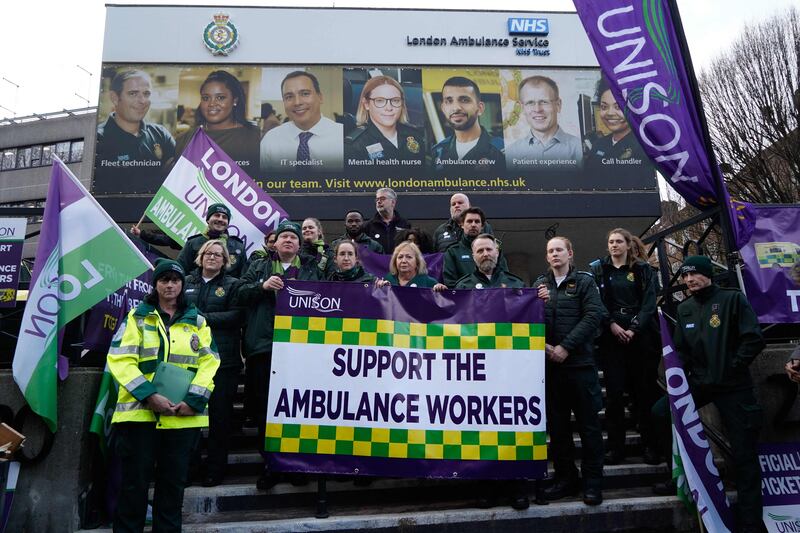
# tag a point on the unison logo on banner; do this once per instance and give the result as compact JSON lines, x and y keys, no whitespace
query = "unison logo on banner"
{"x":299,"y":299}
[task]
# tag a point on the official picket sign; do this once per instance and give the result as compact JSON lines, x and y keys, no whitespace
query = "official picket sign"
{"x":780,"y":485}
{"x":406,"y":382}
{"x":12,"y":237}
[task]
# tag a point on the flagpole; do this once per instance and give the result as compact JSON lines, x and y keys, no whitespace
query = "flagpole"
{"x":141,"y":219}
{"x":719,"y":184}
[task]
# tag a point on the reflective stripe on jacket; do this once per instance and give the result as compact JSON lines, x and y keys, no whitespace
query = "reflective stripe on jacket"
{"x":141,"y":342}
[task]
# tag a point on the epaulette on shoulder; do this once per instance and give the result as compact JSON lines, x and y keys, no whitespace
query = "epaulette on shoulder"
{"x":355,"y":134}
{"x":584,"y":273}
{"x":235,"y":238}
{"x":201,"y":320}
{"x":196,"y":235}
{"x":443,"y":142}
{"x":498,"y":143}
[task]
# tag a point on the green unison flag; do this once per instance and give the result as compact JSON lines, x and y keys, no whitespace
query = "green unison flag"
{"x":82,"y":257}
{"x":104,"y":410}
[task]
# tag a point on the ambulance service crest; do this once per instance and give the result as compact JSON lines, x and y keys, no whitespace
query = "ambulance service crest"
{"x":195,"y":342}
{"x":221,"y":36}
{"x":220,"y":292}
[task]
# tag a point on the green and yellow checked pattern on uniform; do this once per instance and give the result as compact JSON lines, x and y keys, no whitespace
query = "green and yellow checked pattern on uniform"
{"x":415,"y":335}
{"x":407,"y":443}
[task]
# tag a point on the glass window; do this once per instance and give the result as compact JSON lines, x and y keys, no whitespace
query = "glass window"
{"x":47,"y":154}
{"x":36,"y":155}
{"x":9,"y":158}
{"x":76,"y":152}
{"x":23,"y":157}
{"x":62,"y":150}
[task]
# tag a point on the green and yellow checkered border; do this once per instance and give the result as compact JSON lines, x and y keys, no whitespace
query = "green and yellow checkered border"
{"x":407,"y":443}
{"x":390,"y":333}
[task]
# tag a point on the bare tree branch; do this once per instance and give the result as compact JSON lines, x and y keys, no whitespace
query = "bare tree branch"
{"x":751,"y":95}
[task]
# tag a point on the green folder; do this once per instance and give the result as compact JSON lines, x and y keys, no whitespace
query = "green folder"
{"x":172,"y":381}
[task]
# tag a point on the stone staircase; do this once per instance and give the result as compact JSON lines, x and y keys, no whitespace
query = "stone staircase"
{"x":423,"y":505}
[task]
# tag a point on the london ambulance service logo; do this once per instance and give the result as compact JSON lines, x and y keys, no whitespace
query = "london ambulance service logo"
{"x":221,"y":36}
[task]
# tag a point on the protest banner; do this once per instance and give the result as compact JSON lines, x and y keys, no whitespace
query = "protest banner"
{"x":769,"y":257}
{"x":780,"y":485}
{"x":12,"y":238}
{"x":81,"y":258}
{"x":205,"y":175}
{"x":696,"y":459}
{"x":407,"y":382}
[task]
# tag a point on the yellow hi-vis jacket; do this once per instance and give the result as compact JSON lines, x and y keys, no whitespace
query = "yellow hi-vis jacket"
{"x":141,"y":342}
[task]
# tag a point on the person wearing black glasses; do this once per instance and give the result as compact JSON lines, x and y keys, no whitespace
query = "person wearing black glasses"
{"x":384,"y":135}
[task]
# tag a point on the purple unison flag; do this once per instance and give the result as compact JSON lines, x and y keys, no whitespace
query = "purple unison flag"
{"x":378,"y":264}
{"x":698,"y":463}
{"x":769,"y":257}
{"x":638,"y":47}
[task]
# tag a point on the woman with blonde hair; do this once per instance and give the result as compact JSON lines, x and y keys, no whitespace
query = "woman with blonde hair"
{"x":383,"y":130}
{"x":212,"y":290}
{"x":407,"y":268}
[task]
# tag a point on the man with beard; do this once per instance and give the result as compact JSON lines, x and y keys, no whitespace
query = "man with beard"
{"x":487,"y":274}
{"x":218,"y":217}
{"x":450,"y":232}
{"x":470,"y":146}
{"x":354,"y":231}
{"x":383,"y":227}
{"x":546,"y":146}
{"x":458,"y":261}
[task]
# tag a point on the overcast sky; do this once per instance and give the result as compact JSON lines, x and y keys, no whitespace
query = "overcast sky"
{"x":45,"y":40}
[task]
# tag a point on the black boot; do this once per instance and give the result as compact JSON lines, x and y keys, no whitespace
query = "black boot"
{"x":561,"y":488}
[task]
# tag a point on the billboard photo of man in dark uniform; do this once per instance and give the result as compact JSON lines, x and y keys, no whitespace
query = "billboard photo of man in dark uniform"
{"x":129,"y":149}
{"x":470,"y":147}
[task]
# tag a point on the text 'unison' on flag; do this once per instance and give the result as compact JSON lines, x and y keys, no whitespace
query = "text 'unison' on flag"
{"x":638,"y":46}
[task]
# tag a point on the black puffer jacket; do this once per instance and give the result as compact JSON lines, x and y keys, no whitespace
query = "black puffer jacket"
{"x":215,"y":302}
{"x":572,"y":315}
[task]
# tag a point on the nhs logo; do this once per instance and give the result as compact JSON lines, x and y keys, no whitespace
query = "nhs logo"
{"x":528,"y":26}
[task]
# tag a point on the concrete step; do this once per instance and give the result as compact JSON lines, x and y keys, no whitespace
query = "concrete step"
{"x":238,"y":491}
{"x":623,"y":510}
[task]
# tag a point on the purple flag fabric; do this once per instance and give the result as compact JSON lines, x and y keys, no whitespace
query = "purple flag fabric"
{"x":378,"y":264}
{"x":698,"y":463}
{"x":638,"y":48}
{"x":769,"y":258}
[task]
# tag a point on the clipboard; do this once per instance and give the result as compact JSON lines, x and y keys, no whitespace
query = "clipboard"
{"x":172,"y":381}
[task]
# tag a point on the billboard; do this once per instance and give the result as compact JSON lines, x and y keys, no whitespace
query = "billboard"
{"x":519,"y":107}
